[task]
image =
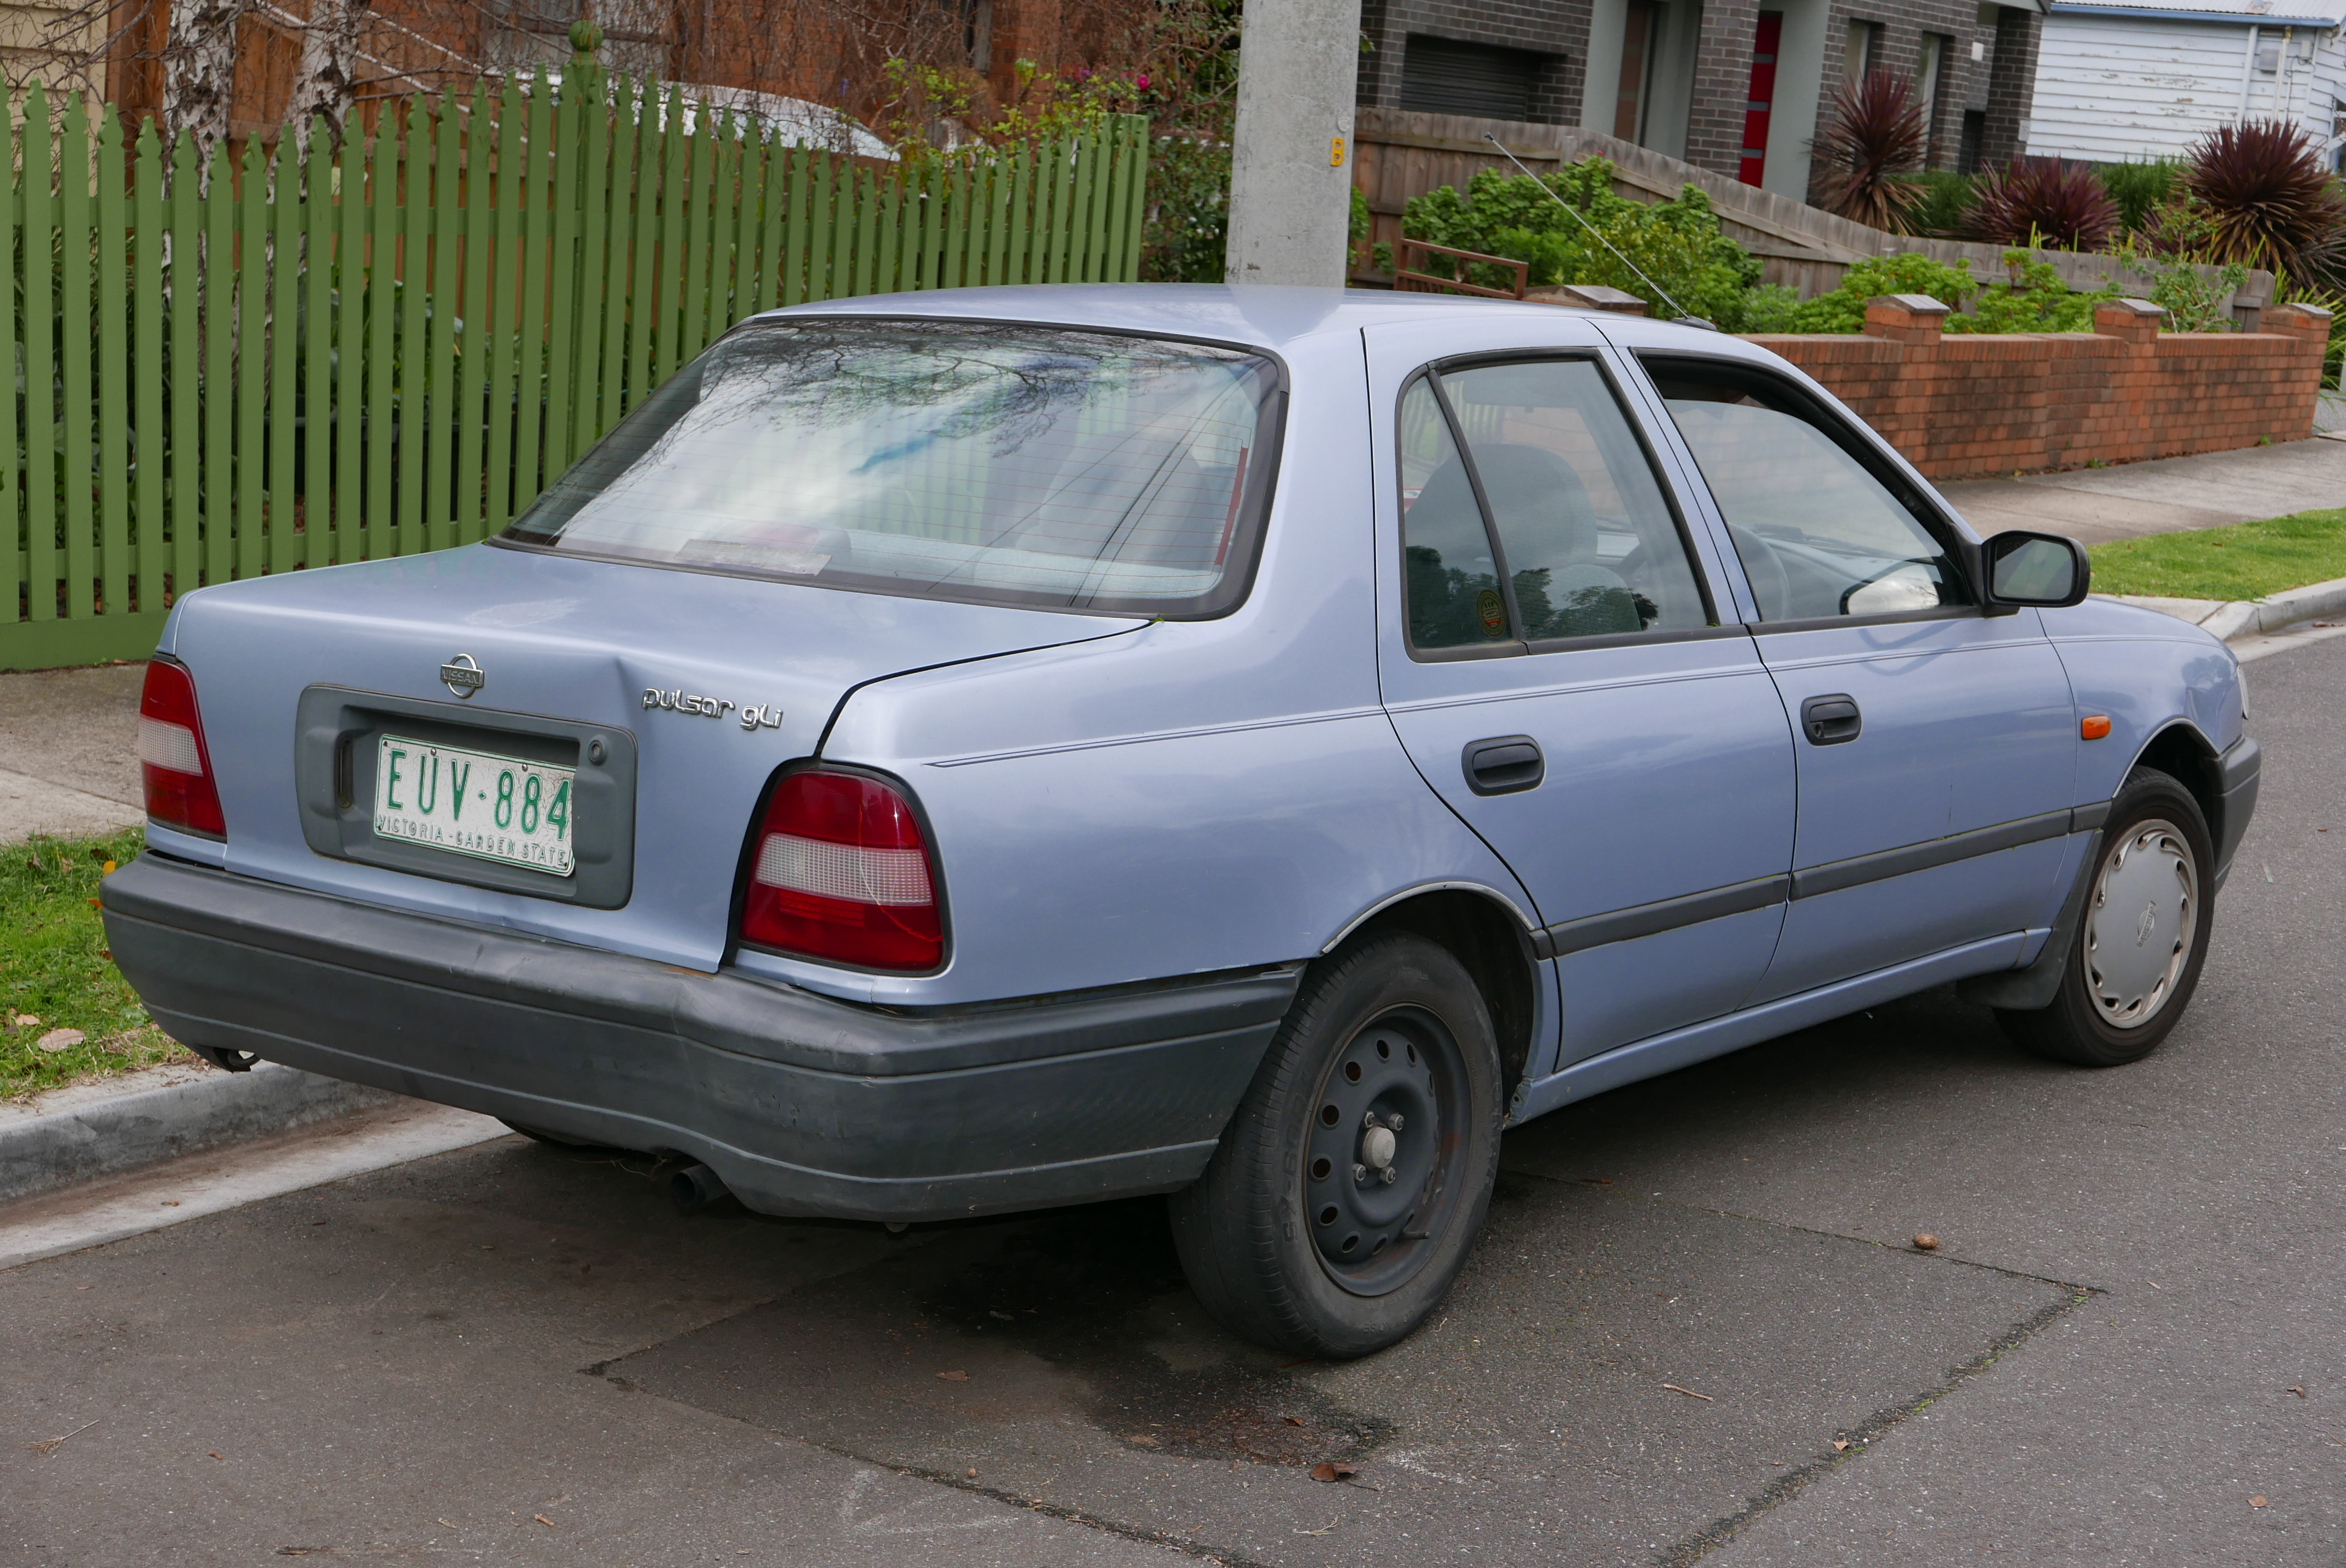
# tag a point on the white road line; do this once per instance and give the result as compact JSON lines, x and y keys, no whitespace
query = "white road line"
{"x":180,"y":1190}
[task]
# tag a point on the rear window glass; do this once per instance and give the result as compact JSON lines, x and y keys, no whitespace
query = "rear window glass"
{"x":1005,"y":463}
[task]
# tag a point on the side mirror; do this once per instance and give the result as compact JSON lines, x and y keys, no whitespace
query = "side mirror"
{"x":2043,"y":571}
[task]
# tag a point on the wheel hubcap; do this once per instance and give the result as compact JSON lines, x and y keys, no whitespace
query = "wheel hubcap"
{"x":2141,"y":924}
{"x":1379,"y":1148}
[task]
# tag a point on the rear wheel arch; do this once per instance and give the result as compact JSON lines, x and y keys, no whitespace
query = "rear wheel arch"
{"x":1487,"y":937}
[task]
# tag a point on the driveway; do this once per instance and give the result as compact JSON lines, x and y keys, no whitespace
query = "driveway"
{"x":1695,"y":1329}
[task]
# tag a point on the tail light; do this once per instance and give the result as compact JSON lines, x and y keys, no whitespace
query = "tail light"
{"x":172,"y":757}
{"x":842,"y":873}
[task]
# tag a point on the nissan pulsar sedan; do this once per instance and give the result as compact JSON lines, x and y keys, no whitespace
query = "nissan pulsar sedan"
{"x":958,"y":753}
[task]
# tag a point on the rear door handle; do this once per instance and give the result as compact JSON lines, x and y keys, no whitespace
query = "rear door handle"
{"x":1831,"y":720}
{"x":1503,"y":765}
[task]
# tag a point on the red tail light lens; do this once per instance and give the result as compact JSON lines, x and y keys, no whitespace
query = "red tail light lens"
{"x":172,"y":757}
{"x":842,"y":875}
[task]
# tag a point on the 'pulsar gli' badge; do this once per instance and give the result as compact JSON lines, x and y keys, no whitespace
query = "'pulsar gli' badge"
{"x":765,"y":716}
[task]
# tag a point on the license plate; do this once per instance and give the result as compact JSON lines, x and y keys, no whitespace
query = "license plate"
{"x":474,"y":803}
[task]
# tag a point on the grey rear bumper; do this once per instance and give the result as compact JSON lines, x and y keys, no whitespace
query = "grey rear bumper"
{"x":804,"y":1105}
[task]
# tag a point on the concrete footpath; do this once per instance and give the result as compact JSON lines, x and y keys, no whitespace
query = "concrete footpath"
{"x":2095,"y":506}
{"x":69,"y":751}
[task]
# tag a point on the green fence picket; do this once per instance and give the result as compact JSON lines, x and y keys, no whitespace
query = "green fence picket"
{"x":320,"y":353}
{"x":151,"y":507}
{"x":112,"y":385}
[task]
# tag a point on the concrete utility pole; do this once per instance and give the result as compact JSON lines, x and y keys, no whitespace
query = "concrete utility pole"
{"x":1291,"y":149}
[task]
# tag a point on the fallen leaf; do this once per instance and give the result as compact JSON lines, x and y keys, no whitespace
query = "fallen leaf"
{"x":1690,"y":1393}
{"x":542,"y":1519}
{"x":95,"y":904}
{"x":1292,"y":1420}
{"x":449,"y":1522}
{"x":1142,"y":1439}
{"x":1327,"y":1470}
{"x":1925,"y":1242}
{"x":107,"y":870}
{"x":955,"y":1377}
{"x":1840,"y":1445}
{"x":1322,"y":1530}
{"x":60,"y":1039}
{"x":969,"y":1474}
{"x":170,"y":1203}
{"x":2256,"y":1502}
{"x":215,"y":1456}
{"x":1599,"y":1181}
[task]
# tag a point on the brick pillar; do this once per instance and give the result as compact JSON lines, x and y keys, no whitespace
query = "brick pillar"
{"x":2135,"y":321}
{"x":2302,"y":320}
{"x":1904,"y":318}
{"x":2010,"y":85}
{"x":1722,"y":85}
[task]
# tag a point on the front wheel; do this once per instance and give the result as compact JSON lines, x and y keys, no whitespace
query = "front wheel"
{"x":1348,"y":1188}
{"x":2142,"y":936}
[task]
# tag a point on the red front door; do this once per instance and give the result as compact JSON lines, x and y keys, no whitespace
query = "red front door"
{"x":1761,"y":97}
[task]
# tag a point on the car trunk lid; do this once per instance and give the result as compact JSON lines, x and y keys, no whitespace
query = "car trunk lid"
{"x":714,"y":682}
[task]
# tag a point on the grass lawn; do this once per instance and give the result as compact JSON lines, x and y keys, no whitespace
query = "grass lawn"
{"x":2244,"y":560}
{"x":55,"y":973}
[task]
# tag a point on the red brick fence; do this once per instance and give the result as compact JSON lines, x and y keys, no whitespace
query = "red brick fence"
{"x":1972,"y":404}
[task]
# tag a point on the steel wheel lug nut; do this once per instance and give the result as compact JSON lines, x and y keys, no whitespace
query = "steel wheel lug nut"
{"x":1386,"y":1176}
{"x":1368,"y":1119}
{"x":1394,"y":1121}
{"x":1360,"y":1173}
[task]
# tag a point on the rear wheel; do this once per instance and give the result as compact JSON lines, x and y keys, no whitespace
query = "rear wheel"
{"x":2142,"y":938}
{"x":1349,"y":1186}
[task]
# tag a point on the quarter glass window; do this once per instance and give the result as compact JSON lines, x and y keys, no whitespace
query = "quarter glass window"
{"x":1819,"y":535}
{"x":1453,"y":582}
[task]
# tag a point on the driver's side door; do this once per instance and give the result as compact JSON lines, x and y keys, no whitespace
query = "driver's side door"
{"x":1935,"y":745}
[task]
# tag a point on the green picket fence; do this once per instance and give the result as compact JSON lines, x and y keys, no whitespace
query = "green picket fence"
{"x":392,"y":345}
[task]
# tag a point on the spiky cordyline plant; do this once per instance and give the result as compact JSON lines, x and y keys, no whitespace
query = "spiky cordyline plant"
{"x":2269,"y":202}
{"x":1865,"y":157}
{"x":2041,"y":201}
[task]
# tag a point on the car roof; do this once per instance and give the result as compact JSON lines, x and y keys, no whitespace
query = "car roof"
{"x":1266,"y":315}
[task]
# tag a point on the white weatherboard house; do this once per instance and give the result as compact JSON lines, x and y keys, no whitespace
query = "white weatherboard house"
{"x":2135,"y":80}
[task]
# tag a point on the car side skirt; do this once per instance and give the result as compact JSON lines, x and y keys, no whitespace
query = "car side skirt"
{"x":1700,"y":1042}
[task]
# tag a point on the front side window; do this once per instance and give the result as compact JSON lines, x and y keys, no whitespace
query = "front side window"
{"x":1587,"y":545}
{"x":999,"y":462}
{"x":1819,"y":532}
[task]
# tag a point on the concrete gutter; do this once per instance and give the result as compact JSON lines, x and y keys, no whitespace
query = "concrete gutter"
{"x":100,"y":1134}
{"x":2251,"y":617}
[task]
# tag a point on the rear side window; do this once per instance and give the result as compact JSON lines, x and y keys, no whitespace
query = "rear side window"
{"x":998,"y":462}
{"x":1585,"y":542}
{"x":1820,"y":532}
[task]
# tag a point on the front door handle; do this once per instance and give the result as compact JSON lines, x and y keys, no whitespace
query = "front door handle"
{"x":1831,"y":720}
{"x":1503,"y":765}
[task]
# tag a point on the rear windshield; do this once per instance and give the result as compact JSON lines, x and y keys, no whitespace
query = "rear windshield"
{"x":1005,"y":463}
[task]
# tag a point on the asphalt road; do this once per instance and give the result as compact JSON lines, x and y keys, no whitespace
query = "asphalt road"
{"x":1693,"y":1329}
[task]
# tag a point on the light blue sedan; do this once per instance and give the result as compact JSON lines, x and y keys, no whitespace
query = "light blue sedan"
{"x":958,"y":753}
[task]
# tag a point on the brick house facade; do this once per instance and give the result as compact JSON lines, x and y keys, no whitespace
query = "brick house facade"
{"x":1737,"y":86}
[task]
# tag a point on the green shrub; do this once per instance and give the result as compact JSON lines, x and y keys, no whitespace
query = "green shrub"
{"x":2138,"y":189}
{"x":1946,"y":197}
{"x":1843,"y":310}
{"x":1571,"y":228}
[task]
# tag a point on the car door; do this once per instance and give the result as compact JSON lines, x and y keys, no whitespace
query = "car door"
{"x":1936,"y":743}
{"x":1554,"y":659}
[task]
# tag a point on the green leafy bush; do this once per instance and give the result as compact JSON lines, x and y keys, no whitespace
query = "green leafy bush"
{"x":2138,"y":189}
{"x":1571,"y":228}
{"x":1946,"y":197}
{"x":2030,"y":298}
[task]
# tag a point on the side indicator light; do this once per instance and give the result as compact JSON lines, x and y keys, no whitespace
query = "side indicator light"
{"x":2093,"y":725}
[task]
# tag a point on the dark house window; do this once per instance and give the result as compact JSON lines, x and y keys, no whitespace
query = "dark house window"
{"x":1443,"y":76}
{"x":1967,"y":149}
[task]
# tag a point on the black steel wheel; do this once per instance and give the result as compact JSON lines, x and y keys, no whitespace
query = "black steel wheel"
{"x":1348,"y":1188}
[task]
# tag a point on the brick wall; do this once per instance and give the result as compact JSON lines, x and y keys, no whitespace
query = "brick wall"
{"x":2011,"y":84}
{"x":1972,"y":405}
{"x":1557,"y":30}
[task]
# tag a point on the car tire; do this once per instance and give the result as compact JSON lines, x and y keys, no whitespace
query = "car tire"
{"x":2141,"y":938}
{"x":1295,"y":1238}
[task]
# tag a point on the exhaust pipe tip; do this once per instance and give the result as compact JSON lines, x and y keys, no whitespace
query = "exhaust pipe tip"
{"x":695,"y":1188}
